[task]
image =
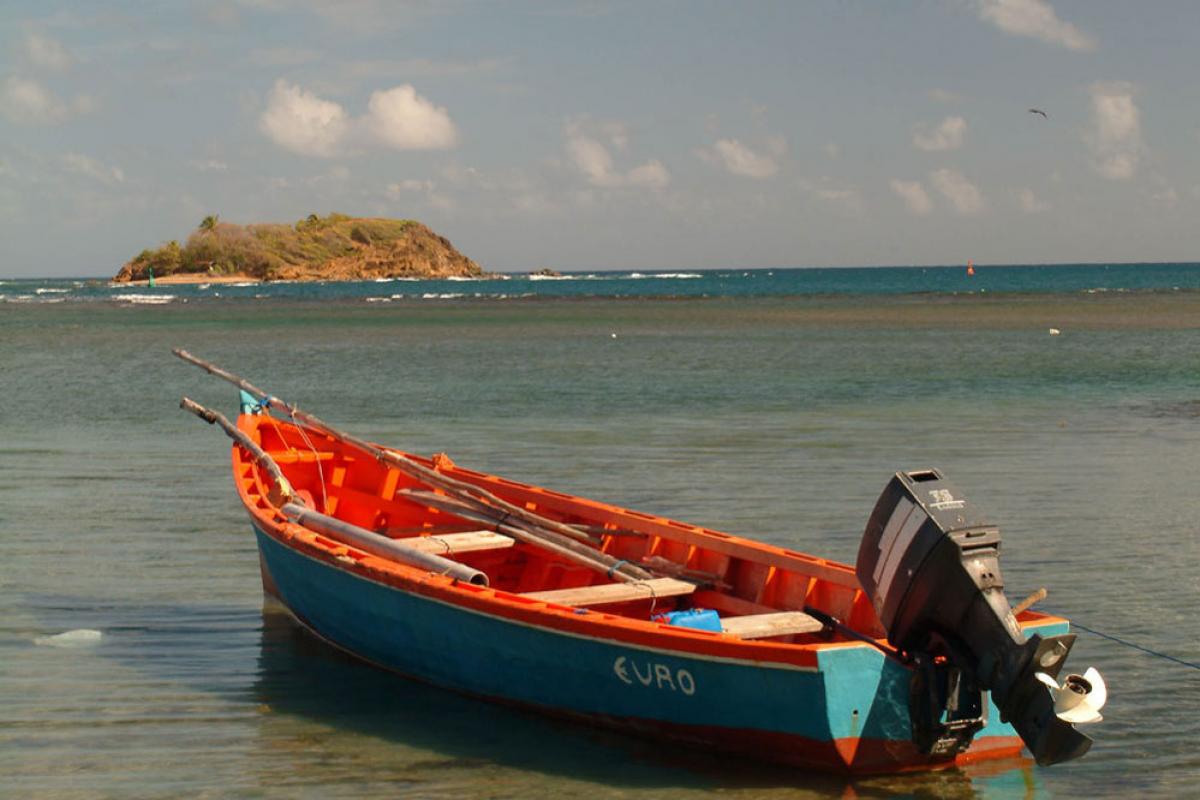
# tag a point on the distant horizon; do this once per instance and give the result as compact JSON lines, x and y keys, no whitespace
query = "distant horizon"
{"x":652,"y":270}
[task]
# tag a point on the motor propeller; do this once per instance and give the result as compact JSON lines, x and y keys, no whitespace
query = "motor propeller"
{"x":1080,"y":697}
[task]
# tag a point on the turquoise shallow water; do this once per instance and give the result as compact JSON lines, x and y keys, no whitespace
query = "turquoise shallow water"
{"x":775,"y":417}
{"x":1036,"y":279}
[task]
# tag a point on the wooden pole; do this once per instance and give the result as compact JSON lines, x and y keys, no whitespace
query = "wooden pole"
{"x":462,"y":489}
{"x":547,"y":531}
{"x":280,"y":491}
{"x":282,"y":497}
{"x":567,"y":548}
{"x":1034,"y":597}
{"x":380,"y":545}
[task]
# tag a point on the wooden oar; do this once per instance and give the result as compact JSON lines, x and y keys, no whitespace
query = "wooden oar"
{"x":473,"y":496}
{"x":461,"y":489}
{"x":280,"y":491}
{"x":567,"y":548}
{"x":283,"y":498}
{"x":1034,"y":597}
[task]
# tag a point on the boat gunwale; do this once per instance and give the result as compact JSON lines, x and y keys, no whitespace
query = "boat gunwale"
{"x":570,"y":620}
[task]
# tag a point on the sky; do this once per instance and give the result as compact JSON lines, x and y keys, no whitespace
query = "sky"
{"x":609,"y":135}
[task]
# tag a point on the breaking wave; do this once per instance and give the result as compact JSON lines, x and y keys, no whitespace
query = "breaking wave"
{"x":146,"y":299}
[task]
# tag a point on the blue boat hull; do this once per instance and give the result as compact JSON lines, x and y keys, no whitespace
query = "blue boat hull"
{"x":849,"y":714}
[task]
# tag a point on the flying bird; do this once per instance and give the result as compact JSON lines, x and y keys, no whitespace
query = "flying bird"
{"x":1038,"y":111}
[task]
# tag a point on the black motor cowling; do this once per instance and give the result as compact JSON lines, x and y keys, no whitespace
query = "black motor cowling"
{"x":930,"y":563}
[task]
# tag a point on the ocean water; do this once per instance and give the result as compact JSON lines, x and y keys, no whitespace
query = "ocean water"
{"x":770,"y":404}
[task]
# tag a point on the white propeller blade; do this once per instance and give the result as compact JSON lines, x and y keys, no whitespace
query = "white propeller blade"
{"x":1080,"y":698}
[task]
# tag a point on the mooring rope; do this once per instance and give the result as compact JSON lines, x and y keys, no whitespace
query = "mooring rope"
{"x":1129,"y":644}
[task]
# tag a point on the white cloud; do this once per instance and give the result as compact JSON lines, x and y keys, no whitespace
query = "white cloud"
{"x":914,"y":196}
{"x":300,"y":121}
{"x":209,"y":165}
{"x":1034,"y":18}
{"x":948,"y":135}
{"x":1167,"y":196}
{"x":46,"y":53}
{"x":594,"y":160}
{"x":843,"y":198}
{"x":28,"y":102}
{"x":402,"y":119}
{"x":962,"y":194}
{"x":1115,"y":138}
{"x":511,"y":191}
{"x":86,"y":165}
{"x":652,"y":175}
{"x":943,"y":96}
{"x":739,"y":159}
{"x":400,"y":188}
{"x":403,"y":191}
{"x":616,"y":134}
{"x":1031,"y":203}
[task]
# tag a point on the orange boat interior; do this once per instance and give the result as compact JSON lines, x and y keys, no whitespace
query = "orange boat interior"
{"x":759,"y":590}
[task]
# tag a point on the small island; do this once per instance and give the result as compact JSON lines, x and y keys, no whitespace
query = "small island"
{"x":331,"y":248}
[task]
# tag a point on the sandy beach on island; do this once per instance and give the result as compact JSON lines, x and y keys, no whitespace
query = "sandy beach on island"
{"x":192,"y":278}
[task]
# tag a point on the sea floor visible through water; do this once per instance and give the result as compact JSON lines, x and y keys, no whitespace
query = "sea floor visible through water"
{"x":775,"y":418}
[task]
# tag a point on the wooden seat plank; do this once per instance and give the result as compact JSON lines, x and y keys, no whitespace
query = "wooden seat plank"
{"x":606,"y":593}
{"x":761,"y":626}
{"x":450,"y":543}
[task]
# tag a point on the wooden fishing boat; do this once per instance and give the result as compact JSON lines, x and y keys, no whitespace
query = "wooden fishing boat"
{"x":579,"y":608}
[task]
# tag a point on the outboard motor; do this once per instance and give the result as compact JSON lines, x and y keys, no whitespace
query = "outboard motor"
{"x":929,"y":561}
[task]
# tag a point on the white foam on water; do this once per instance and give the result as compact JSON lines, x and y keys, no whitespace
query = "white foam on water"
{"x":673,"y":275}
{"x":47,"y":290}
{"x":380,"y":299}
{"x":590,"y":276}
{"x":80,"y":637}
{"x":441,"y":295}
{"x":146,"y":299}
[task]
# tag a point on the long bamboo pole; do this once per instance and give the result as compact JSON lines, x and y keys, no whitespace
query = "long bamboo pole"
{"x":1036,"y":596}
{"x":567,"y":548}
{"x":380,"y":545}
{"x":280,"y":492}
{"x":283,"y":498}
{"x":462,"y":489}
{"x":546,"y":531}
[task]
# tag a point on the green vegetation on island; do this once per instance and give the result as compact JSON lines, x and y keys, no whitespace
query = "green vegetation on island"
{"x":334,"y":247}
